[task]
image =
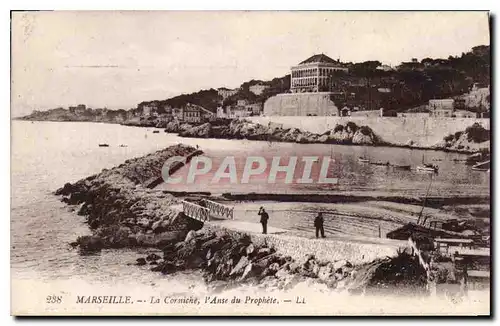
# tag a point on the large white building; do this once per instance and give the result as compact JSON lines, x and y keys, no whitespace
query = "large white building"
{"x":313,"y":74}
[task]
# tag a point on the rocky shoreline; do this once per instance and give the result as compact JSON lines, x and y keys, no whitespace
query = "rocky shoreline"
{"x":349,"y":134}
{"x":122,"y":212}
{"x":472,"y":140}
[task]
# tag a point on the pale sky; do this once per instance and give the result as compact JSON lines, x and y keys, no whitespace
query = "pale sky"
{"x":118,"y":59}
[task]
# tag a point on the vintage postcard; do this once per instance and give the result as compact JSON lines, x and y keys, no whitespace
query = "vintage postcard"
{"x":250,"y":163}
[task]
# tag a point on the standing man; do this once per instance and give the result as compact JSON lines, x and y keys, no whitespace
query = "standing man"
{"x":263,"y":219}
{"x":318,"y":224}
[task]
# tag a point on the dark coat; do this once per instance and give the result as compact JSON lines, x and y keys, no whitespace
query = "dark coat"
{"x":318,"y":221}
{"x":263,"y":217}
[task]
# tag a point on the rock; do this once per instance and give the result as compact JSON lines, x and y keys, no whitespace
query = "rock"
{"x":156,"y":225}
{"x":240,"y":266}
{"x":90,"y":243}
{"x":152,"y":257}
{"x":263,"y":252}
{"x":294,"y":267}
{"x":282,"y":273}
{"x":144,"y":222}
{"x":289,"y":281}
{"x":325,"y":273}
{"x":246,"y":272}
{"x":65,"y":190}
{"x":165,"y":238}
{"x":341,"y":263}
{"x":250,"y":249}
{"x":191,"y":236}
{"x":141,"y":261}
{"x":331,"y":283}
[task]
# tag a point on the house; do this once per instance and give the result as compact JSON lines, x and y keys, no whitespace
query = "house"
{"x":79,"y":109}
{"x":441,"y":107}
{"x":221,"y":113}
{"x":193,"y":113}
{"x":226,"y":92}
{"x":178,"y":114}
{"x":255,"y":108}
{"x":465,"y":114}
{"x":411,"y":65}
{"x":241,"y":102}
{"x":149,"y":110}
{"x":313,"y":74}
{"x":258,"y":88}
{"x":238,"y":112}
{"x":345,"y":112}
{"x":384,"y":68}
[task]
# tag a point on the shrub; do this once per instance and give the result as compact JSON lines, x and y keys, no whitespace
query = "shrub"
{"x":448,"y":138}
{"x":338,"y":128}
{"x":365,"y":130}
{"x":477,"y":134}
{"x":352,"y":126}
{"x":458,"y":134}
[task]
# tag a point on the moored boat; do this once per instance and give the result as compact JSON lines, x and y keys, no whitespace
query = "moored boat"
{"x":483,"y":166}
{"x":103,"y":145}
{"x":427,"y":168}
{"x":363,"y":159}
{"x":402,"y":167}
{"x":381,"y":163}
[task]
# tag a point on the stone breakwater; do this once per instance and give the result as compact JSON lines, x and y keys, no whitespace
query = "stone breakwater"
{"x":347,"y":134}
{"x":122,"y":212}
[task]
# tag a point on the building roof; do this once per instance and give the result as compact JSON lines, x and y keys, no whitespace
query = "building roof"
{"x":319,"y":58}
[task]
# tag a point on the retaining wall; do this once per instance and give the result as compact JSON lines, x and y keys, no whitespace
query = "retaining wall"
{"x":417,"y":131}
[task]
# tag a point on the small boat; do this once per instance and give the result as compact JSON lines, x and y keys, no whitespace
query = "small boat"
{"x":123,"y":145}
{"x":402,"y":167}
{"x":363,"y":159}
{"x":156,"y":131}
{"x":103,"y":145}
{"x":483,"y":166}
{"x":381,"y":163}
{"x":427,"y":168}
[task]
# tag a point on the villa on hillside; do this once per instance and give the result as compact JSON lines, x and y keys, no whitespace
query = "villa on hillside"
{"x":258,"y":89}
{"x":309,"y":90}
{"x":226,"y":92}
{"x":313,"y":74}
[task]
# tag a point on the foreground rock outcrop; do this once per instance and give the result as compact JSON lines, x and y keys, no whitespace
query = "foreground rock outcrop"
{"x":473,"y":139}
{"x":230,"y":258}
{"x":122,"y":212}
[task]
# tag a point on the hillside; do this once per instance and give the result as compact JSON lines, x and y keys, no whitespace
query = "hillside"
{"x":365,"y":86}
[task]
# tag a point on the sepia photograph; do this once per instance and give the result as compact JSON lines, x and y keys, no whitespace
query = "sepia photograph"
{"x":250,"y":163}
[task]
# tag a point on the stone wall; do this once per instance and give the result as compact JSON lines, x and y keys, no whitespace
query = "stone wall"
{"x":300,"y":104}
{"x":356,"y":252}
{"x":416,"y":131}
